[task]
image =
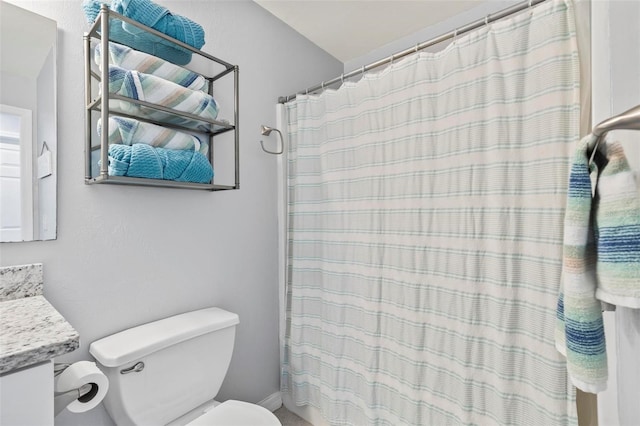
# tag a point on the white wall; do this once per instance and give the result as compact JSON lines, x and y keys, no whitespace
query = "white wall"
{"x":128,"y":255}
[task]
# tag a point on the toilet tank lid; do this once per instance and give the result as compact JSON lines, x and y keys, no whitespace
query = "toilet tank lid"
{"x":134,"y":343}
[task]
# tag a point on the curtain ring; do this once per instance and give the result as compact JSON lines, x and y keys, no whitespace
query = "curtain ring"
{"x":417,"y":48}
{"x":342,"y":78}
{"x":455,"y":35}
{"x":486,"y":20}
{"x":322,"y":85}
{"x":393,"y":57}
{"x":362,"y":71}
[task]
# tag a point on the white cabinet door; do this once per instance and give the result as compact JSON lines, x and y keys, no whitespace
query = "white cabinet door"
{"x":26,"y":396}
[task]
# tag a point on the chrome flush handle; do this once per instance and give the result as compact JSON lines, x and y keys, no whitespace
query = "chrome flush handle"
{"x":138,"y":367}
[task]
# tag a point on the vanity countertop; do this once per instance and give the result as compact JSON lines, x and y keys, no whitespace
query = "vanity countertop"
{"x":31,"y":330}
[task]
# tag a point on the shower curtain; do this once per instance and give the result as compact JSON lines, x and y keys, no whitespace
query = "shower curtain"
{"x":424,"y":233}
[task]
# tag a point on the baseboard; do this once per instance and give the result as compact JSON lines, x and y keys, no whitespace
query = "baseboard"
{"x":272,"y":402}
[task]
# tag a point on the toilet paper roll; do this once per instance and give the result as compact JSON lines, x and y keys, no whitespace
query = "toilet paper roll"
{"x":79,"y":374}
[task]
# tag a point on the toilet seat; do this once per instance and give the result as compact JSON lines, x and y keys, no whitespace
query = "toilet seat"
{"x":236,"y":413}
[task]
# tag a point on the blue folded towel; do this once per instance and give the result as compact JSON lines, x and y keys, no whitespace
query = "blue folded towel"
{"x":160,"y":18}
{"x":152,"y":15}
{"x":145,"y":161}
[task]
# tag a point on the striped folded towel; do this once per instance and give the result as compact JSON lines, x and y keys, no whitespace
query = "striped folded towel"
{"x":128,"y":131}
{"x":144,"y":161}
{"x":145,"y":87}
{"x":601,"y":260}
{"x":131,"y":59}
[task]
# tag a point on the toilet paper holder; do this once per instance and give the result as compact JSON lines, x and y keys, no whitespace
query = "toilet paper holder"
{"x":61,"y":399}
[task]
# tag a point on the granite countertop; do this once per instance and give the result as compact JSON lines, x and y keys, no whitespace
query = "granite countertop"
{"x":32,"y":330}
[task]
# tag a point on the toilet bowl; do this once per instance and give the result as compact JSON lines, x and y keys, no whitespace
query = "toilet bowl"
{"x":236,"y":413}
{"x":169,"y":372}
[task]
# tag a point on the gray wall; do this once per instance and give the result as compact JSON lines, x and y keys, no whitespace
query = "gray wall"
{"x":129,"y":255}
{"x":18,"y":91}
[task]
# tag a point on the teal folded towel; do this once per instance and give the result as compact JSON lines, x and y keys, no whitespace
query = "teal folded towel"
{"x":160,"y":18}
{"x":152,"y":15}
{"x":145,"y":161}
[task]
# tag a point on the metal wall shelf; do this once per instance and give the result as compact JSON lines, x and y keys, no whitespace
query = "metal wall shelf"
{"x":125,"y":180}
{"x":99,"y":104}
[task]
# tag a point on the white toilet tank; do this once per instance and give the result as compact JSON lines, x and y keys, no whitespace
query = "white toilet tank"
{"x":162,"y":370}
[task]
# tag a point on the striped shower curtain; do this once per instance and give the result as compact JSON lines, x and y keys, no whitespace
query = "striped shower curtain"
{"x":424,"y":233}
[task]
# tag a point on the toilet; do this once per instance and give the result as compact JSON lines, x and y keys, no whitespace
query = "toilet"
{"x":168,"y":372}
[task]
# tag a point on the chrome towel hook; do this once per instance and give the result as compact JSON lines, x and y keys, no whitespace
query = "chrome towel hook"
{"x":266,"y":131}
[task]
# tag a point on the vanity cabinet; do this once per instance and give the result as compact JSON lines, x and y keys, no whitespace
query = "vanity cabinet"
{"x":222,"y":78}
{"x":32,"y":335}
{"x":26,"y":396}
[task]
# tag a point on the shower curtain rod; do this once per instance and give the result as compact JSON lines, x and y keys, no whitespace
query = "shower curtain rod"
{"x":451,"y":34}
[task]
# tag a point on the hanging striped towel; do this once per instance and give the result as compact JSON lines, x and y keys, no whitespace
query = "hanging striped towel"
{"x":601,"y":259}
{"x":618,"y":232}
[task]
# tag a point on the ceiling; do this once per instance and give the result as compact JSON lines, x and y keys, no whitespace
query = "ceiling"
{"x":348,"y":29}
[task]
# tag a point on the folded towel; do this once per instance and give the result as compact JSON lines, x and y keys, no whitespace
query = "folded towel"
{"x":156,"y":17}
{"x":144,"y":161}
{"x":128,"y":131}
{"x":131,"y":59}
{"x":145,"y":87}
{"x":601,"y":259}
{"x":160,"y":18}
